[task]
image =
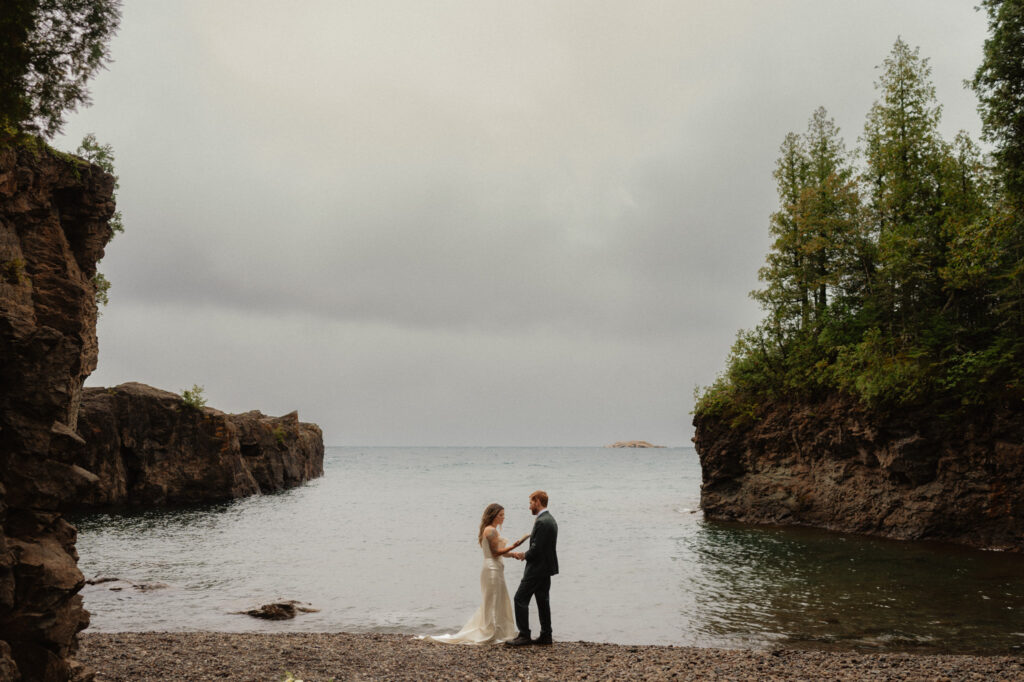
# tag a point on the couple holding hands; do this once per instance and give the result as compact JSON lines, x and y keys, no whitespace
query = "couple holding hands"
{"x":493,"y":621}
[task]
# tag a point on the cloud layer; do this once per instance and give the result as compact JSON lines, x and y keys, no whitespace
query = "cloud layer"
{"x":467,"y":222}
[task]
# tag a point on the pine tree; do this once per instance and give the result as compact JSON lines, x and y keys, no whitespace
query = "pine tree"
{"x":904,"y":159}
{"x":786,"y":296}
{"x":829,"y":217}
{"x":818,"y":252}
{"x":999,"y":84}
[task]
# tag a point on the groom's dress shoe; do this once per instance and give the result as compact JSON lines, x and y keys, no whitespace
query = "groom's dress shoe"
{"x":519,"y":641}
{"x":543,"y":639}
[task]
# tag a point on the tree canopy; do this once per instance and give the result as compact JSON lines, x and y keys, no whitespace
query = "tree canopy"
{"x":896,"y":275}
{"x":49,"y":49}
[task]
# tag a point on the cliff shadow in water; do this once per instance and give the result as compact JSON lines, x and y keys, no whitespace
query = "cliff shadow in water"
{"x":816,"y":589}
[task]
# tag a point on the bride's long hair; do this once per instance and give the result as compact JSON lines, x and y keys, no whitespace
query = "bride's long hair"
{"x":487,"y":519}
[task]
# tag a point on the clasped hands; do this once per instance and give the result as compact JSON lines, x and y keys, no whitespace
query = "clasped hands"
{"x":517,"y":555}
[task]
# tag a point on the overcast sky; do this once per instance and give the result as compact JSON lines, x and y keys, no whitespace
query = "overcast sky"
{"x":468,"y":223}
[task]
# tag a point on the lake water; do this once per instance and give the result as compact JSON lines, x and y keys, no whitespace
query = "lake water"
{"x":386,"y":542}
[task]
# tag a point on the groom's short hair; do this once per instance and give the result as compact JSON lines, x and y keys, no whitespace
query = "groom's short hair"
{"x":540,"y":496}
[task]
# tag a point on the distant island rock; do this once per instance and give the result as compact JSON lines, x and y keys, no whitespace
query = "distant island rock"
{"x":633,"y":444}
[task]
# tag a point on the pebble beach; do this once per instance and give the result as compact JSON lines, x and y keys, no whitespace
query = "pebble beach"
{"x":318,"y":657}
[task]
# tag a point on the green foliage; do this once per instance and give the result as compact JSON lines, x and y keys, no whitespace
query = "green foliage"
{"x":999,"y":84}
{"x":49,"y":49}
{"x":101,"y":286}
{"x":279,"y":434}
{"x":13,"y":271}
{"x":103,"y":156}
{"x":193,"y":397}
{"x":904,"y":157}
{"x":880,"y":373}
{"x":901,"y":282}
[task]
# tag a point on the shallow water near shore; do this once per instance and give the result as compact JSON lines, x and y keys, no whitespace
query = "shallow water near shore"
{"x":386,"y":542}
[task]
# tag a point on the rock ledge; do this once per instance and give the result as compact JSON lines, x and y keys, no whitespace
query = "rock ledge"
{"x":145,"y":447}
{"x":833,"y":464}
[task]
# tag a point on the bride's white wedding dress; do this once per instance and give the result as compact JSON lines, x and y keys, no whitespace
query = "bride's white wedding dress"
{"x":494,"y":621}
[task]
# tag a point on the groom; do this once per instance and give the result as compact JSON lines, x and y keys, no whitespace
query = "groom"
{"x":541,"y":564}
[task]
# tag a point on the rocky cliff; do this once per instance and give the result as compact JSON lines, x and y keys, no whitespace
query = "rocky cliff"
{"x":63,"y":447}
{"x":54,"y":214}
{"x":146,"y":447}
{"x":834,"y":464}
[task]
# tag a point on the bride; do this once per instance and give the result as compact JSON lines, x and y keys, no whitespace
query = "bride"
{"x":494,"y":621}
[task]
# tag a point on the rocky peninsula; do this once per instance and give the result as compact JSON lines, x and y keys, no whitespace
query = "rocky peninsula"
{"x":146,"y":447}
{"x":835,"y":464}
{"x":64,"y":447}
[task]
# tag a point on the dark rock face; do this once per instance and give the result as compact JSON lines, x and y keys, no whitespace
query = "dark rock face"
{"x":836,"y":465}
{"x":54,"y":214}
{"x":62,"y":447}
{"x":145,"y":447}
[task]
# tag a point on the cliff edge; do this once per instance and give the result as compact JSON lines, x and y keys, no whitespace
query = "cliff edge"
{"x":65,"y":448}
{"x":54,"y":213}
{"x":833,"y":464}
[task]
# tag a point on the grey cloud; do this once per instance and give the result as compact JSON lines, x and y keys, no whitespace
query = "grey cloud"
{"x":467,"y":222}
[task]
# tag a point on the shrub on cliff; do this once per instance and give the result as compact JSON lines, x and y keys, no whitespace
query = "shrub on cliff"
{"x":193,"y":397}
{"x":102,"y":155}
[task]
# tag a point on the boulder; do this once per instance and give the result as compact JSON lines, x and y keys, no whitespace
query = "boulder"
{"x":284,"y":610}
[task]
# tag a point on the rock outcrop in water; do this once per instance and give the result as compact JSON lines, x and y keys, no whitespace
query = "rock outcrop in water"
{"x":54,"y":214}
{"x":146,"y":447}
{"x":633,"y":444}
{"x":836,"y":465}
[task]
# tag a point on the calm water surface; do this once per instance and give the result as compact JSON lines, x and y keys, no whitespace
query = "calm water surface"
{"x":386,"y":542}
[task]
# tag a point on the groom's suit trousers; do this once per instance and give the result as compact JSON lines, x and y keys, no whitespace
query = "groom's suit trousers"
{"x":541,"y":564}
{"x":538,"y":586}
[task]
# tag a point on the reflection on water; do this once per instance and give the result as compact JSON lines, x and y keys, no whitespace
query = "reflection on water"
{"x":385,"y":542}
{"x":810,"y":588}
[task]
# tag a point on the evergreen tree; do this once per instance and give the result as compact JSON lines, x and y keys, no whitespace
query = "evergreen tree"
{"x":786,"y":295}
{"x":973,"y":253}
{"x":816,"y":253}
{"x":828,"y":213}
{"x":999,"y":84}
{"x":904,"y":158}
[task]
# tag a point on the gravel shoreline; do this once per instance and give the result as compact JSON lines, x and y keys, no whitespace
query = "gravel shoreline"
{"x":194,"y":656}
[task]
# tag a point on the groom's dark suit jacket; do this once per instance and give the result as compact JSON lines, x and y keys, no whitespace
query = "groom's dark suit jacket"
{"x":541,"y":558}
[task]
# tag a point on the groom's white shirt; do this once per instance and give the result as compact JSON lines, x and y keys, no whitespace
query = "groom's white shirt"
{"x":542,"y":511}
